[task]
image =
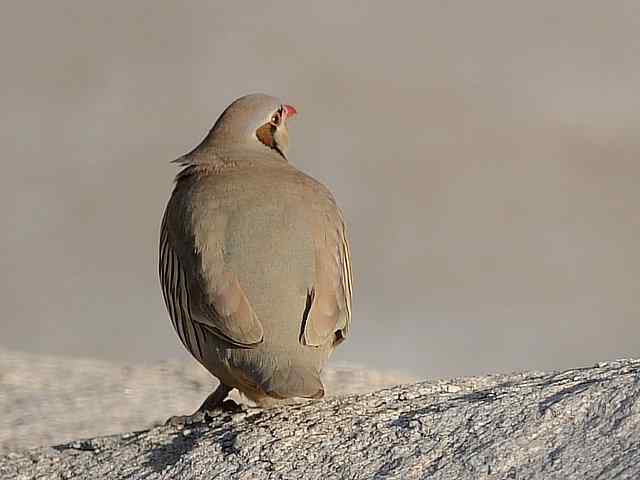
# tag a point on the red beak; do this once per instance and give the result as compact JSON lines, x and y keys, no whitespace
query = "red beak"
{"x":290,"y":110}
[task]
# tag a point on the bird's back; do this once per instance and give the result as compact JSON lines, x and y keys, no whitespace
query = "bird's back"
{"x":262,"y":223}
{"x":267,"y":241}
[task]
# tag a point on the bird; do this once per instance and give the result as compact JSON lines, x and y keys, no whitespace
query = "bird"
{"x":254,"y":261}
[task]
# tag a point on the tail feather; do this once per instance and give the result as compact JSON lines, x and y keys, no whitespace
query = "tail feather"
{"x":276,"y":376}
{"x":294,"y":382}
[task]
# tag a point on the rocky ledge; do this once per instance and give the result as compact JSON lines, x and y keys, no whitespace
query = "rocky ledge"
{"x":581,"y":423}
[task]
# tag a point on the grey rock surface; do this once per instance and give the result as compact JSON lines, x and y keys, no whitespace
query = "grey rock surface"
{"x":46,"y":399}
{"x":581,"y":423}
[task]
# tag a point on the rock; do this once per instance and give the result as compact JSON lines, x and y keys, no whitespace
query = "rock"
{"x":581,"y":423}
{"x":48,"y":400}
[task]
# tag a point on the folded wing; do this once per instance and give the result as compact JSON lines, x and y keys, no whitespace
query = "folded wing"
{"x":214,"y":303}
{"x":327,"y":317}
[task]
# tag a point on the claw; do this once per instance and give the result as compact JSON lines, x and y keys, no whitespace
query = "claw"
{"x":185,"y":420}
{"x":213,"y":403}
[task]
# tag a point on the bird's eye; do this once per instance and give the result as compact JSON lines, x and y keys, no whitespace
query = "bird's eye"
{"x":275,"y":118}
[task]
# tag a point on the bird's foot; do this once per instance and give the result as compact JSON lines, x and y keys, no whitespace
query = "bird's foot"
{"x":186,"y":420}
{"x":230,"y":406}
{"x":206,"y":415}
{"x":210,"y":408}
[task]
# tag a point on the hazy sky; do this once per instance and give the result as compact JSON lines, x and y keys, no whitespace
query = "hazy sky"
{"x":486,"y":156}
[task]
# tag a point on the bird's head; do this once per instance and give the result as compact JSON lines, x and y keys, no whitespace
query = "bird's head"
{"x":254,"y":121}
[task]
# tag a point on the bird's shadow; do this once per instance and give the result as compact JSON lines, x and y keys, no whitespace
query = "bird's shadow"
{"x":169,"y":454}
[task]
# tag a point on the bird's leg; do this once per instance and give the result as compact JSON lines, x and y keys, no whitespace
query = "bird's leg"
{"x":213,"y":402}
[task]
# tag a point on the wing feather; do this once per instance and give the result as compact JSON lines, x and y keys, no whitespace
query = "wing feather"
{"x":328,"y":313}
{"x":219,"y":307}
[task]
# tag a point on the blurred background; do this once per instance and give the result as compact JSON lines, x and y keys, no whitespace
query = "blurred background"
{"x":486,"y":156}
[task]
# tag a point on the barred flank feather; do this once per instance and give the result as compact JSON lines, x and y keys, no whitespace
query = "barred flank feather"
{"x":177,"y":298}
{"x":346,"y":273}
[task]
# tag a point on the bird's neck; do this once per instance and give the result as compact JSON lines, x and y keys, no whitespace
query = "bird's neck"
{"x":213,"y":160}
